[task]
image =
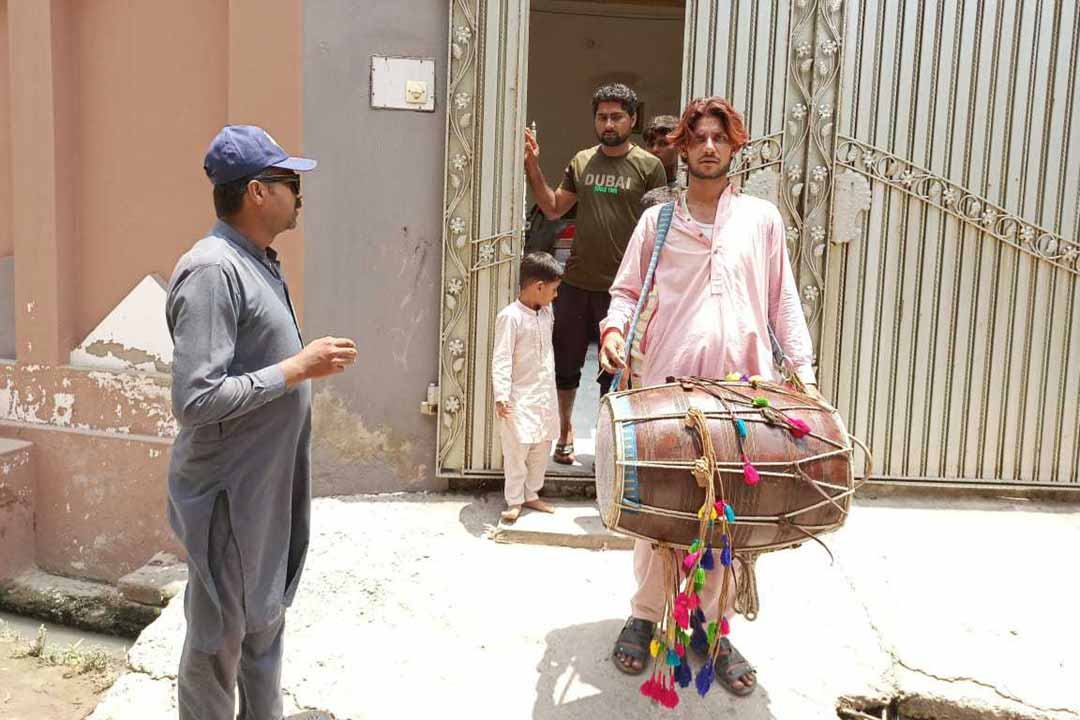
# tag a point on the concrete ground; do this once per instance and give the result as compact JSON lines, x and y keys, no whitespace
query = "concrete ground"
{"x":960,"y":608}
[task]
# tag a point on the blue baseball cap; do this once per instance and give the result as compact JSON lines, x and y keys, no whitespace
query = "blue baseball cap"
{"x":243,"y":150}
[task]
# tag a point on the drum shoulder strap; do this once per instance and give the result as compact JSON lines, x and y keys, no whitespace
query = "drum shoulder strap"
{"x":662,"y":227}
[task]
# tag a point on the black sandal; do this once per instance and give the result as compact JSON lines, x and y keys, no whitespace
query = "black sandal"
{"x":564,"y":453}
{"x":633,"y":643}
{"x":732,"y":666}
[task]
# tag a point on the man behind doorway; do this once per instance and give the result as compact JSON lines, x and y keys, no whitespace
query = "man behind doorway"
{"x":607,"y":182}
{"x":655,"y":136}
{"x":240,"y":472}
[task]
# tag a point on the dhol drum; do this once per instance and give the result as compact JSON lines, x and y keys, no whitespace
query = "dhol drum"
{"x":783,"y":464}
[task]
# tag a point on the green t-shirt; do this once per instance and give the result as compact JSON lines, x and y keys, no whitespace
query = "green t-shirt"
{"x":609,"y":194}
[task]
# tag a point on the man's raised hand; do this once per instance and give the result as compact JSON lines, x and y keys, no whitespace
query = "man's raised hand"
{"x":323,"y":357}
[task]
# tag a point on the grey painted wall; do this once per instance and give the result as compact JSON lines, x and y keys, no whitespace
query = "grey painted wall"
{"x":373,"y":232}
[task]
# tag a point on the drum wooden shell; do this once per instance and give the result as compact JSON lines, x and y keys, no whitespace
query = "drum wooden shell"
{"x":644,"y":451}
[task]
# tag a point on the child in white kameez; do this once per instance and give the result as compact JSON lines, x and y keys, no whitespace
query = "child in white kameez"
{"x":523,"y":379}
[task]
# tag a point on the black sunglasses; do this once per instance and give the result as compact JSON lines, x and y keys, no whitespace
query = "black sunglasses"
{"x":293,"y":180}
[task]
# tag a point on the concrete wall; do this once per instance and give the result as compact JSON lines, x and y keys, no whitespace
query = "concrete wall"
{"x":373,"y":213}
{"x":573,"y":50}
{"x":16,"y":507}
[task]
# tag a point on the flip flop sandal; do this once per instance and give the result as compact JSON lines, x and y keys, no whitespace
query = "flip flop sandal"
{"x":731,"y":666}
{"x":633,"y":643}
{"x":564,"y":453}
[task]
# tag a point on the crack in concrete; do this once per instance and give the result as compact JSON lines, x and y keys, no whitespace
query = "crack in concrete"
{"x":152,"y":676}
{"x":980,"y":683}
{"x":896,"y":661}
{"x":306,"y":708}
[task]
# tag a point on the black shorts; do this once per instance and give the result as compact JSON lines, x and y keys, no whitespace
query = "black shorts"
{"x":577,"y":322}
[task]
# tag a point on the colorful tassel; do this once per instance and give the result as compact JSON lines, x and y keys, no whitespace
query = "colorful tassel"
{"x":707,"y":559}
{"x":680,"y":648}
{"x":729,"y":513}
{"x":699,"y":576}
{"x":673,"y":658}
{"x":760,"y":402}
{"x":693,"y":602}
{"x":684,"y":675}
{"x":711,"y":634}
{"x":704,"y":678}
{"x":750,"y":473}
{"x":682,"y":615}
{"x":732,"y":377}
{"x":670,"y":698}
{"x":740,"y":426}
{"x":695,"y":546}
{"x":725,"y":626}
{"x":654,"y":648}
{"x":725,"y":556}
{"x":744,"y":378}
{"x":798,"y":427}
{"x":699,"y":640}
{"x":755,"y":379}
{"x":651,"y":688}
{"x":698,"y":618}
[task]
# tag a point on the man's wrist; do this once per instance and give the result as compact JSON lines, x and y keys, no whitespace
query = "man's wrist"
{"x":294,"y":371}
{"x":608,"y":331}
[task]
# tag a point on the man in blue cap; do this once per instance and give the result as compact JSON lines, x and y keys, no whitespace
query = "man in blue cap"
{"x":239,"y":477}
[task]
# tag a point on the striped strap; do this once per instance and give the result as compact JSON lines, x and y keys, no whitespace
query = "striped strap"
{"x":661,"y":237}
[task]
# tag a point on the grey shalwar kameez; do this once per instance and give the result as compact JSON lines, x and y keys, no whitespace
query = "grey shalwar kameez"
{"x":239,"y":477}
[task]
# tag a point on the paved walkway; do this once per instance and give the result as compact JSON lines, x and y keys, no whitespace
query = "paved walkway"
{"x":409,"y":610}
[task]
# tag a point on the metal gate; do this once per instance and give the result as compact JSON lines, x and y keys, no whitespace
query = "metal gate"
{"x":923,"y":154}
{"x":485,"y":189}
{"x":927,"y":170}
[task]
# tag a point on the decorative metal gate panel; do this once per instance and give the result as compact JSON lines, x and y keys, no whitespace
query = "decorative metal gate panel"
{"x":950,"y":323}
{"x":924,"y":172}
{"x":483,"y":217}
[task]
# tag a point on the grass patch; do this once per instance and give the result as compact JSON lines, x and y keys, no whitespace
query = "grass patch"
{"x":75,"y":658}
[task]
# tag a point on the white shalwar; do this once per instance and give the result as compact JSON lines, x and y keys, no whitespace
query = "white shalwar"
{"x":523,"y":375}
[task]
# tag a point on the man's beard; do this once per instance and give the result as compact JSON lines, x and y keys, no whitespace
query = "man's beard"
{"x":710,"y":172}
{"x":612,"y":140}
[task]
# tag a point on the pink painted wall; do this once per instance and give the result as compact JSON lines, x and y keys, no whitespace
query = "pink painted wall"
{"x":150,"y":94}
{"x":155,"y":82}
{"x":16,"y":508}
{"x":106,"y":109}
{"x":7,"y":242}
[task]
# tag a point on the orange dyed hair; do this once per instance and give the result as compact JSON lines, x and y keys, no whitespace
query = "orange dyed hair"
{"x":719,"y":108}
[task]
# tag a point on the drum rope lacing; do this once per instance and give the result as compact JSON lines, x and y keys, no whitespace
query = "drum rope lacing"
{"x":683,"y":622}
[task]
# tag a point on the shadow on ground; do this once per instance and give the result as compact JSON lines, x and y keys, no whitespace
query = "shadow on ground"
{"x":578,"y":681}
{"x":481,"y":515}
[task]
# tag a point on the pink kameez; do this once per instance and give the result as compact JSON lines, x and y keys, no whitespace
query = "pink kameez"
{"x":712,"y":302}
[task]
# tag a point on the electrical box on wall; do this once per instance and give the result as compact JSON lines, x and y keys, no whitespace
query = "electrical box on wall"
{"x":402,"y":83}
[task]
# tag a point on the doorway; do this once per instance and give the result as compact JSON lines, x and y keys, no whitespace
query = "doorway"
{"x":575,"y":46}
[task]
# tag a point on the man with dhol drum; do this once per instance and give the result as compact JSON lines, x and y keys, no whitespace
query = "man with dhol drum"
{"x":721,"y":284}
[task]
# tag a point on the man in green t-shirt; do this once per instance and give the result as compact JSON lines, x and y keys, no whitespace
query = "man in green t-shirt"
{"x":607,"y":182}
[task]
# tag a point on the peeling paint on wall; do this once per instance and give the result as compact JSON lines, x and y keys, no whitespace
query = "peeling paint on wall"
{"x":348,"y":439}
{"x":127,"y":357}
{"x":133,"y":336}
{"x":95,"y":401}
{"x":62,"y":407}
